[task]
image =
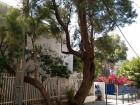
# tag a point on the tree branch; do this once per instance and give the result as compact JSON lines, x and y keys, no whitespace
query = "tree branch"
{"x":39,"y":86}
{"x":65,"y":28}
{"x":85,"y":40}
{"x":91,"y":37}
{"x":91,"y":31}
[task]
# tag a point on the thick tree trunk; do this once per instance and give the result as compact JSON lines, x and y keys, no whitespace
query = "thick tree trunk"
{"x":86,"y":52}
{"x":88,"y":77}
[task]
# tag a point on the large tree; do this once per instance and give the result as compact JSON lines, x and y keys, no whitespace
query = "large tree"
{"x":91,"y":17}
{"x":12,"y":46}
{"x":16,"y":27}
{"x":109,"y":50}
{"x":34,"y":14}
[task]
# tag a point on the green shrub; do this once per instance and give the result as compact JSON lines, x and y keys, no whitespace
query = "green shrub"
{"x":59,"y":70}
{"x":55,"y":66}
{"x":70,"y":95}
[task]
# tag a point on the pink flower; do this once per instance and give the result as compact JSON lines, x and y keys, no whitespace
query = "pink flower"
{"x":112,"y":78}
{"x":101,"y":79}
{"x":121,"y":80}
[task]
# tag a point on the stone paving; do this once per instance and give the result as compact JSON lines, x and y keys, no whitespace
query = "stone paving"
{"x":89,"y":101}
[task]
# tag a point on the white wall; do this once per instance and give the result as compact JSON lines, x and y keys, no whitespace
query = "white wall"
{"x":54,"y":45}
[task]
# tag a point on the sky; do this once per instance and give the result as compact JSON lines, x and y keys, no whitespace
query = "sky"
{"x":132,"y":32}
{"x":14,"y":3}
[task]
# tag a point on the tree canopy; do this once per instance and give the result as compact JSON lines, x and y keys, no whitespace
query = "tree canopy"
{"x":11,"y":36}
{"x":111,"y":48}
{"x":12,"y":48}
{"x":92,"y":18}
{"x":131,"y":69}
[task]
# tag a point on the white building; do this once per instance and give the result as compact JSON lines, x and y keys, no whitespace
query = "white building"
{"x":54,"y":45}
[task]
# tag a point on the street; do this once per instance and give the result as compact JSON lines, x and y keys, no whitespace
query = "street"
{"x":89,"y":101}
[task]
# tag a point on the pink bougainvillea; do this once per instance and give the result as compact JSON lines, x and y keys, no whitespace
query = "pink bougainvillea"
{"x":121,"y":80}
{"x":113,"y":79}
{"x":102,"y":79}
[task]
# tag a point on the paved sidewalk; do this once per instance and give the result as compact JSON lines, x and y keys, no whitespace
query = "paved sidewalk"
{"x":89,"y":101}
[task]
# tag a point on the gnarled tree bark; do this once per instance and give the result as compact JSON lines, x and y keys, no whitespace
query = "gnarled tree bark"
{"x":86,"y":52}
{"x":88,"y":77}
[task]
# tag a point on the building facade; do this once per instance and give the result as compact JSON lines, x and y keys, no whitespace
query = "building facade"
{"x":54,"y":47}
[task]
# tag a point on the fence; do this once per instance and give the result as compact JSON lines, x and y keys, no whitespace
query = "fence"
{"x":56,"y":88}
{"x":30,"y":95}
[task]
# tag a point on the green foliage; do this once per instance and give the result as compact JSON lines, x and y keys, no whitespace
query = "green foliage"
{"x":11,"y":37}
{"x":17,"y":26}
{"x":98,"y":67}
{"x":101,"y":19}
{"x":59,"y":70}
{"x":70,"y":95}
{"x":77,"y":64}
{"x":122,"y":12}
{"x":111,"y":48}
{"x":15,"y":33}
{"x":54,"y":66}
{"x":38,"y":19}
{"x":131,"y":69}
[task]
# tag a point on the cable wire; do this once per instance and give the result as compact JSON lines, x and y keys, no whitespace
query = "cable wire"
{"x":103,"y":1}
